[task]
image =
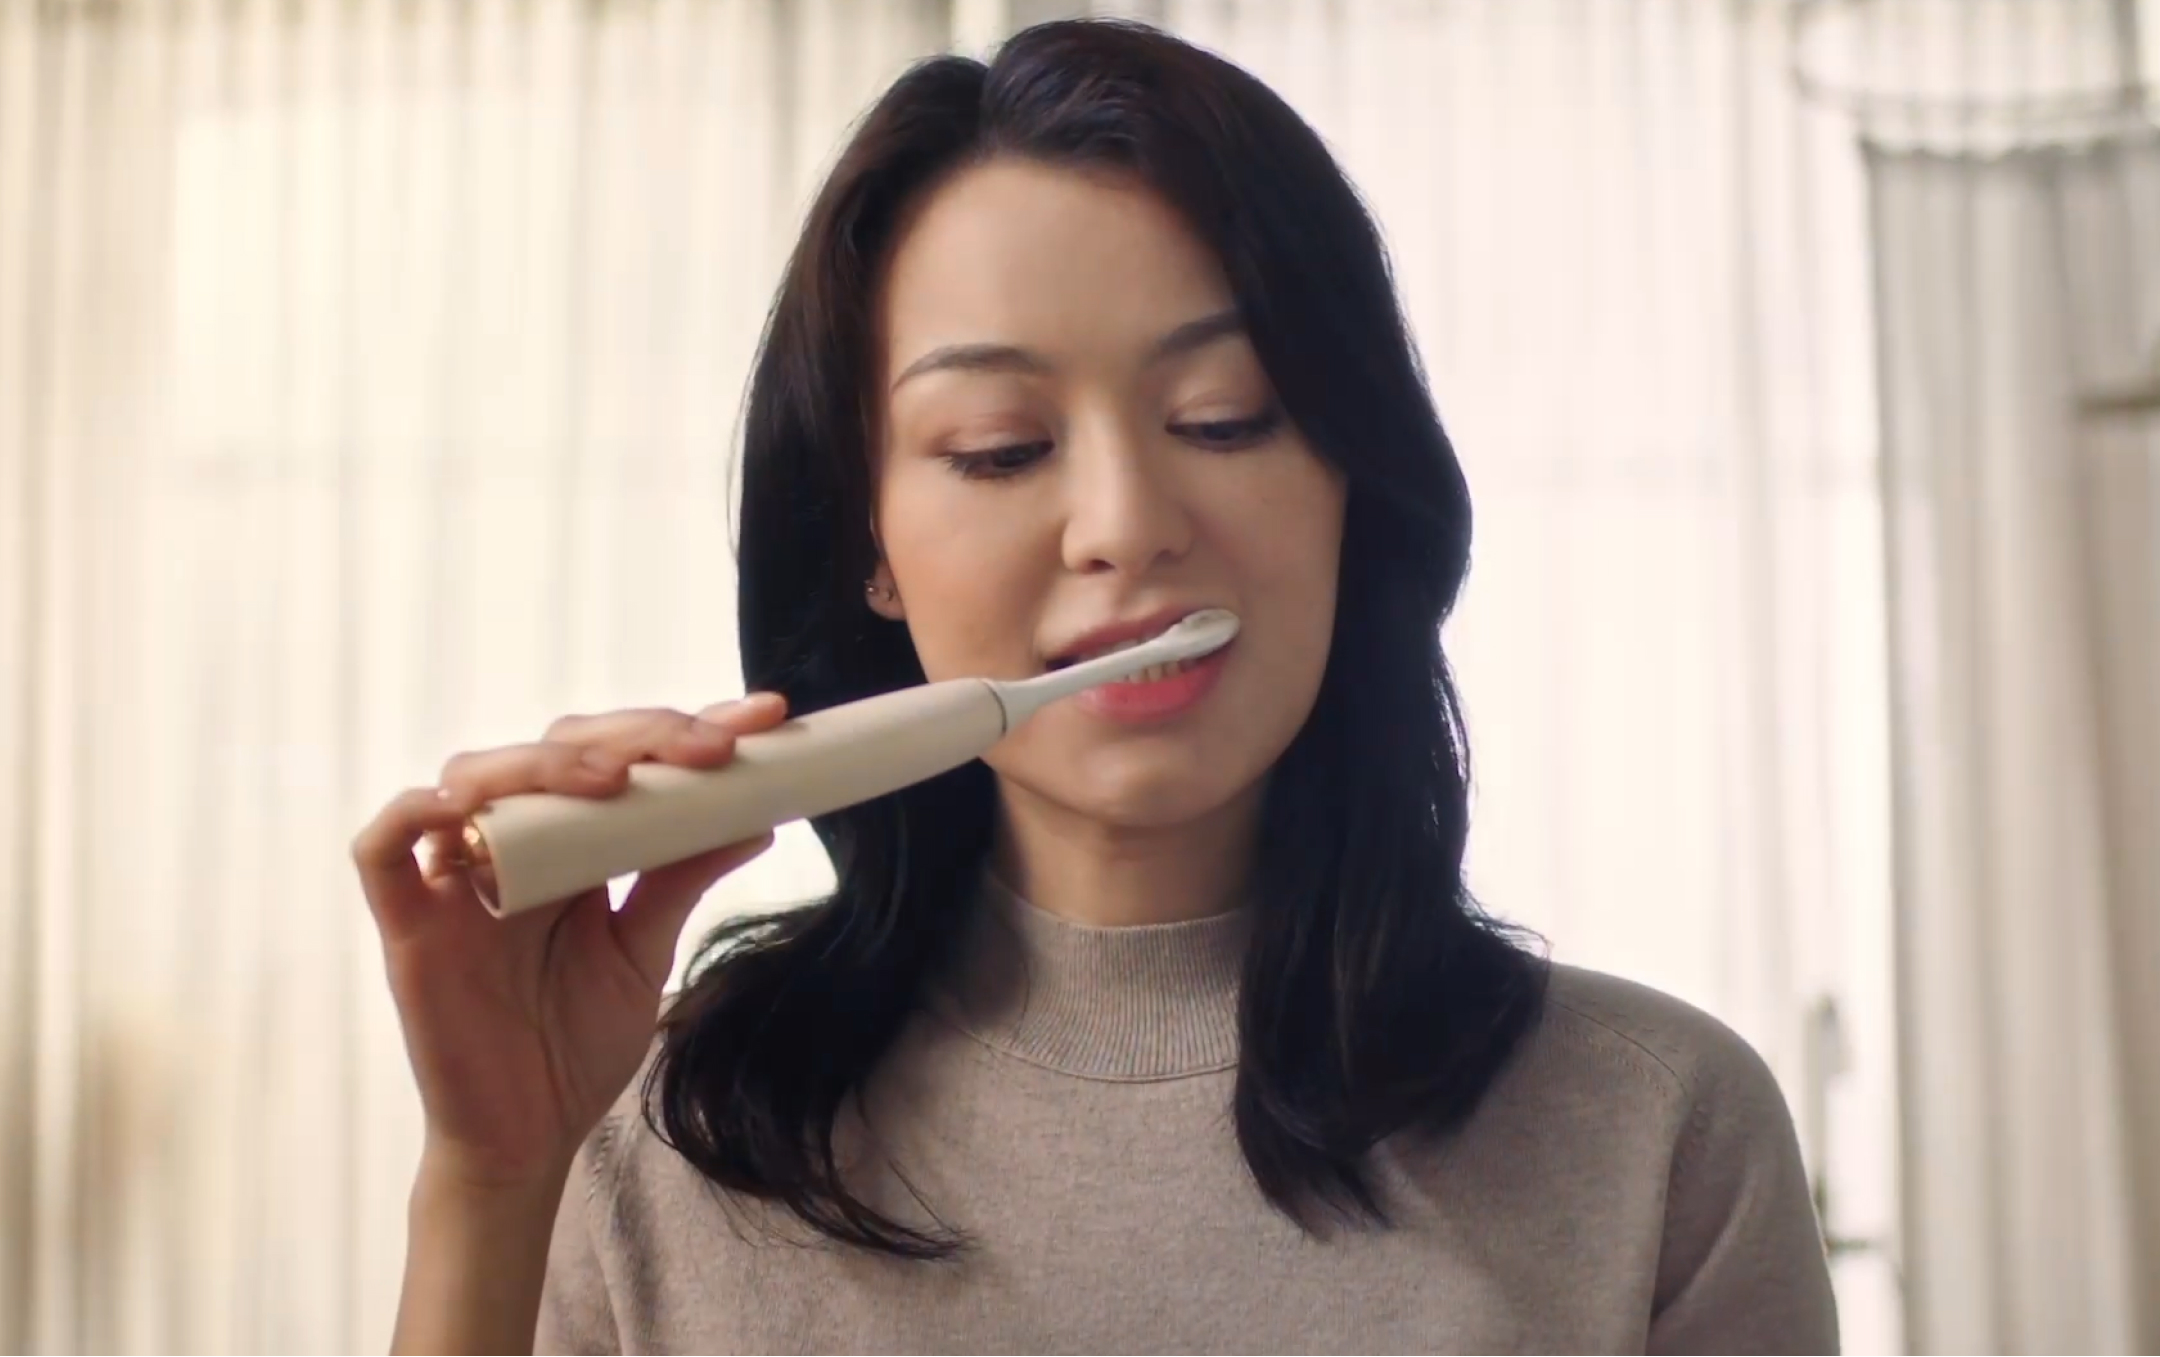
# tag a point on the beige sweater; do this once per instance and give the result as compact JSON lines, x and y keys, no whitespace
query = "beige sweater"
{"x":1631,"y":1183}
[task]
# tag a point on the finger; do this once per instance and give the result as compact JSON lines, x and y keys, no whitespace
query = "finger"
{"x":652,"y":917}
{"x":442,"y":854}
{"x":617,"y":729}
{"x":652,"y":725}
{"x":699,"y":746}
{"x":390,"y":875}
{"x":493,"y":773}
{"x":758,"y":711}
{"x":659,"y":735}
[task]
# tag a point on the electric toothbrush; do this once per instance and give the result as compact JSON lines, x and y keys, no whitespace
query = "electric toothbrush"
{"x":524,"y":851}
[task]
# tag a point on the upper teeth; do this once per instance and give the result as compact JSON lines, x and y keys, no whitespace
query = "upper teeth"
{"x":1117,"y":646}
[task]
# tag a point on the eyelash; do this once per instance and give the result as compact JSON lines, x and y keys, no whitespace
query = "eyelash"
{"x":1229,"y":435}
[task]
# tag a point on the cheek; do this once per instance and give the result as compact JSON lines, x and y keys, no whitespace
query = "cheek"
{"x":1288,"y":541}
{"x":966,"y":567}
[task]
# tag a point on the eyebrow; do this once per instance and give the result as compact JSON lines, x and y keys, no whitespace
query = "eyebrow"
{"x":1193,"y":334}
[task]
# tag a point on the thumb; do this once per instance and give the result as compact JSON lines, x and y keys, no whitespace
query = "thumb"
{"x":652,"y":916}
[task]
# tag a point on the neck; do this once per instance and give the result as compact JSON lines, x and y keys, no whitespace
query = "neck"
{"x":1109,"y":876}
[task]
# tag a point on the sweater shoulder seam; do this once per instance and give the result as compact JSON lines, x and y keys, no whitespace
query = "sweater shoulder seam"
{"x":1692,"y":1131}
{"x":1635,"y":1053}
{"x":603,"y":1157}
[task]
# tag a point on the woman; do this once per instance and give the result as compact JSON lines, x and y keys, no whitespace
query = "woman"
{"x":1171,"y":1025}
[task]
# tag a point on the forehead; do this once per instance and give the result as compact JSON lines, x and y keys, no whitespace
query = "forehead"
{"x":1069,"y":262}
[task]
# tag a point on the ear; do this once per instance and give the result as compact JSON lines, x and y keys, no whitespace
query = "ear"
{"x":883,"y":596}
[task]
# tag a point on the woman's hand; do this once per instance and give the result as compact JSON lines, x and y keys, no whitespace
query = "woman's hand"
{"x":522,"y":1031}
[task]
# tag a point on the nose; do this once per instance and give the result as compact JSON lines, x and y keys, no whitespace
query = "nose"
{"x":1125,"y":510}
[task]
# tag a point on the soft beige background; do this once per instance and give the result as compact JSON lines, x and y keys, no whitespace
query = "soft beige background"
{"x":368,"y":379}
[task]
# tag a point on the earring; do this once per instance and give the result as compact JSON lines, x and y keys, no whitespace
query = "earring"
{"x":876,"y":590}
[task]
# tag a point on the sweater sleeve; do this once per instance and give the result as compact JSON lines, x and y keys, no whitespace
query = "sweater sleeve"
{"x":1742,"y":1267}
{"x":575,"y":1316}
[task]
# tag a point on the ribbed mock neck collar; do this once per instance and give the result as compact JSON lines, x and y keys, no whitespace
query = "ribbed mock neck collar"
{"x":1147,"y":1001}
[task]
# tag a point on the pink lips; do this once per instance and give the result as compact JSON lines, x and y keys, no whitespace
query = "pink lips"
{"x":1135,"y":702}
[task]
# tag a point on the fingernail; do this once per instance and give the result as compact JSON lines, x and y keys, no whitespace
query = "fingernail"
{"x":750,"y":702}
{"x":600,"y":761}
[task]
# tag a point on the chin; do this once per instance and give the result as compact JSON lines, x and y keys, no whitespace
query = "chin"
{"x":1148,"y":807}
{"x":1138,"y":792}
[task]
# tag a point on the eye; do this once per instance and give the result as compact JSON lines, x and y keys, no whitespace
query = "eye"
{"x":989,"y":464}
{"x":1230,"y":434}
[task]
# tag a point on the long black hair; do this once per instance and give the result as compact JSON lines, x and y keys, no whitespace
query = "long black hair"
{"x":1377,"y":998}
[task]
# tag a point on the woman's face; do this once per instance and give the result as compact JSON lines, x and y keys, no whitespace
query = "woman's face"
{"x":1078,"y":436}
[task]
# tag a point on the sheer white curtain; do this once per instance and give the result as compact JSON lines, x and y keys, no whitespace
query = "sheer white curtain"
{"x":2025,"y":543}
{"x":2015,"y":203}
{"x":368,"y":379}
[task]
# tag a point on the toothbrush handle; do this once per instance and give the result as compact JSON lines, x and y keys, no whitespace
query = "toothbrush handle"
{"x":534,"y":849}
